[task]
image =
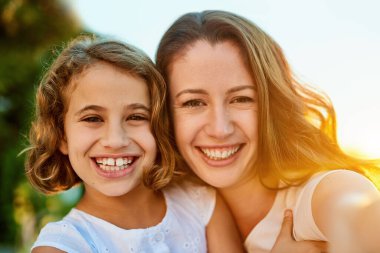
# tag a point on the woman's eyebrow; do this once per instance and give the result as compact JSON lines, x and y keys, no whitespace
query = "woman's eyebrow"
{"x":191,"y":91}
{"x":242,"y":87}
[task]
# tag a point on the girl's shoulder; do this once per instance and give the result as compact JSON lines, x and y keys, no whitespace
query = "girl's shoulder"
{"x":67,"y":235}
{"x":190,"y":188}
{"x":195,"y":198}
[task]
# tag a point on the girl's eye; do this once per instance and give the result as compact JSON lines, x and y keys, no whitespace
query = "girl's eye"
{"x":92,"y":119}
{"x":193,"y":103}
{"x":242,"y":100}
{"x":137,"y":117}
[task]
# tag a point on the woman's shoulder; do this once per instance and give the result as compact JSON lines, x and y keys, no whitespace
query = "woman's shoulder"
{"x":318,"y":187}
{"x":333,"y":179}
{"x":328,"y":176}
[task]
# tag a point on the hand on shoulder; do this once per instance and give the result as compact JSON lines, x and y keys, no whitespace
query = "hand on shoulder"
{"x":285,"y":242}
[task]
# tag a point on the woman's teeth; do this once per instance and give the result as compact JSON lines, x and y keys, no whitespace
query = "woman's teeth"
{"x":219,"y":154}
{"x":112,"y":164}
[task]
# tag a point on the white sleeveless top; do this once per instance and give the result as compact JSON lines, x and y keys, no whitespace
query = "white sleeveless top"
{"x":262,"y":238}
{"x":189,"y":209}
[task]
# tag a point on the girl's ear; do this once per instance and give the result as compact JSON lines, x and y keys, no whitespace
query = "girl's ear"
{"x":63,"y":147}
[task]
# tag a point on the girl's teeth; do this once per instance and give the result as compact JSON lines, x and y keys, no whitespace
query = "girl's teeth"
{"x":111,"y":164}
{"x":110,"y":161}
{"x":119,"y":161}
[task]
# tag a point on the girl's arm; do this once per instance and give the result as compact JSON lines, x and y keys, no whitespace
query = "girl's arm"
{"x":222,"y":233}
{"x":285,"y":242}
{"x":46,"y":249}
{"x":346,"y":208}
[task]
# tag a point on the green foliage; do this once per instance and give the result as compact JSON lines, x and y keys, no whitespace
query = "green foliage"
{"x":28,"y":30}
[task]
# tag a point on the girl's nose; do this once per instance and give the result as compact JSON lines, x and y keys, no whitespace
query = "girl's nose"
{"x":115,"y":136}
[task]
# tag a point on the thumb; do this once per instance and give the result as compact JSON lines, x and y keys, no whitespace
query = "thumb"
{"x":287,"y":224}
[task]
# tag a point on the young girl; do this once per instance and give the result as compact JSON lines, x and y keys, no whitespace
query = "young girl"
{"x":100,"y":121}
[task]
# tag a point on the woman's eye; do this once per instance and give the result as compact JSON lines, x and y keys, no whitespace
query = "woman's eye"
{"x":92,"y":119}
{"x":193,"y":103}
{"x":242,"y":100}
{"x":137,"y":117}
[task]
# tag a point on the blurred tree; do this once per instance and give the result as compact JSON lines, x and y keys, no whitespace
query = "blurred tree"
{"x":28,"y":29}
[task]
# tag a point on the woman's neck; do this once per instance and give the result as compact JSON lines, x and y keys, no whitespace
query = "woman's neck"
{"x":139,"y":208}
{"x":249,"y":203}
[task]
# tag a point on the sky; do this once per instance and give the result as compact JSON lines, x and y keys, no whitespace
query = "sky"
{"x":333,"y":45}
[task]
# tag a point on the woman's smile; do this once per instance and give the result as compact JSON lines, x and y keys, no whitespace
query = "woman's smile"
{"x":214,"y":112}
{"x":219,"y":153}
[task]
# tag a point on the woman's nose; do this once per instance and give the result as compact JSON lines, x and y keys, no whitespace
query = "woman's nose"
{"x":220,"y":124}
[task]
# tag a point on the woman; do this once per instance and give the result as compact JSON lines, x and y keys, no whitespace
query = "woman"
{"x":244,"y":125}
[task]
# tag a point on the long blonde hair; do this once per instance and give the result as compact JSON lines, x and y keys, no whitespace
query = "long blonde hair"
{"x":47,"y":168}
{"x":297,"y":124}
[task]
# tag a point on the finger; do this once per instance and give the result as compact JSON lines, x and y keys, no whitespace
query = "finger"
{"x":313,"y":246}
{"x":323,"y":246}
{"x":287,"y":224}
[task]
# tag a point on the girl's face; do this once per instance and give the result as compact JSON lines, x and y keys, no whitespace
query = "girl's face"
{"x":107,"y":129}
{"x":214,"y":105}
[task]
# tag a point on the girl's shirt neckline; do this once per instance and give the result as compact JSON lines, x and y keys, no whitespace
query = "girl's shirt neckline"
{"x":163,"y":222}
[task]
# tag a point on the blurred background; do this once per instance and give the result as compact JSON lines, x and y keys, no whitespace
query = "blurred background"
{"x":28,"y":31}
{"x":333,"y":45}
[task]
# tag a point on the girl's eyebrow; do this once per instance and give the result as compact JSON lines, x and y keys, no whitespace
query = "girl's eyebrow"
{"x":136,"y":106}
{"x":133,"y":106}
{"x":90,"y":108}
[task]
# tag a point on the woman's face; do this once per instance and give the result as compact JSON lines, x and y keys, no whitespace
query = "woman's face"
{"x":214,"y":105}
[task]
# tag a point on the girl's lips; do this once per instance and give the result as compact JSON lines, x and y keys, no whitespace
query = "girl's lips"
{"x":114,"y":171}
{"x":112,"y":162}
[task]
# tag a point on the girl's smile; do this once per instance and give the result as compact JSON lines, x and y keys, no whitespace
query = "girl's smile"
{"x":107,"y":130}
{"x":115,"y":167}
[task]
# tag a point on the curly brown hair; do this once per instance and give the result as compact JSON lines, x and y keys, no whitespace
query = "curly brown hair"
{"x":50,"y":171}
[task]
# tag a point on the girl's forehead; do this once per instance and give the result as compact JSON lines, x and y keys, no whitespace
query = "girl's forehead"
{"x":102,"y":79}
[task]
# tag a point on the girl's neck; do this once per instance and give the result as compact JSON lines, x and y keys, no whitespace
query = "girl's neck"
{"x":249,"y":203}
{"x":139,"y":208}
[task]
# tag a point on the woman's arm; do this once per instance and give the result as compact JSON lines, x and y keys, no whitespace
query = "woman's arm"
{"x":285,"y":242}
{"x":222,"y":233}
{"x":346,"y":208}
